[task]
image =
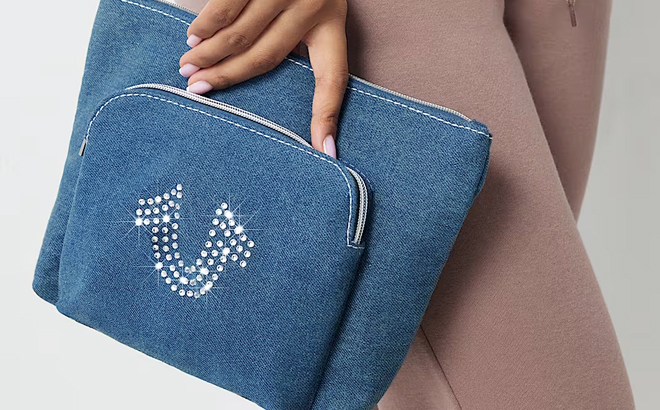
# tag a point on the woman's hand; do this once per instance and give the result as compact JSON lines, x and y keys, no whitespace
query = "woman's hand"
{"x":235,"y":40}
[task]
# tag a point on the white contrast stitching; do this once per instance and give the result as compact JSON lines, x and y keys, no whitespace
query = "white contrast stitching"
{"x":398,"y":103}
{"x":300,"y":64}
{"x":362,"y":174}
{"x":157,"y":11}
{"x":352,"y":88}
{"x":422,"y":112}
{"x":350,"y":196}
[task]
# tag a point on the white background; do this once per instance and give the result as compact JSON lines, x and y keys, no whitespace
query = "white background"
{"x":50,"y":361}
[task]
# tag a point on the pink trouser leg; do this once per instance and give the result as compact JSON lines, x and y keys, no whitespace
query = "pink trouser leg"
{"x":564,"y":68}
{"x":517,"y":320}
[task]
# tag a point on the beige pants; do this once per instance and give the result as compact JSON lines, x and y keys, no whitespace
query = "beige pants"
{"x":517,"y":320}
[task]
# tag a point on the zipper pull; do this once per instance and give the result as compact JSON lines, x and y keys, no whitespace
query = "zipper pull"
{"x":82,"y":146}
{"x":571,"y":10}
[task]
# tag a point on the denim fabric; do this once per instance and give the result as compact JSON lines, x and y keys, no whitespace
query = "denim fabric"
{"x":312,"y":321}
{"x":262,"y":330}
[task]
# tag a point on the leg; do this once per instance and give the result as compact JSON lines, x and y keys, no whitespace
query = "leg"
{"x":517,"y":320}
{"x":564,"y":67}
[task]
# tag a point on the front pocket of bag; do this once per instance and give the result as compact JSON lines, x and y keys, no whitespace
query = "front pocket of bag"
{"x":212,"y":243}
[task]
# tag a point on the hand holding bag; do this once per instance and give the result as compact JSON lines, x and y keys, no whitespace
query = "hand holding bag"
{"x":207,"y":233}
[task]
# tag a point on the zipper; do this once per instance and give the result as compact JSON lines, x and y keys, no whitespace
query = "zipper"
{"x":362,"y":80}
{"x":571,"y":12}
{"x":407,"y":97}
{"x":363,"y":200}
{"x":177,"y":6}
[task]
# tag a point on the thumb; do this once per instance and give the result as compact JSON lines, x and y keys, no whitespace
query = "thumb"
{"x":326,"y":44}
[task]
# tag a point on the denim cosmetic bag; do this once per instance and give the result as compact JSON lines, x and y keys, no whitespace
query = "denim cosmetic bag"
{"x":206,"y":232}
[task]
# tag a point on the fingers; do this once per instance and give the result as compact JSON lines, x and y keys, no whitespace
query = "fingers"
{"x":233,"y":39}
{"x":326,"y":45}
{"x":214,"y":16}
{"x":268,"y":50}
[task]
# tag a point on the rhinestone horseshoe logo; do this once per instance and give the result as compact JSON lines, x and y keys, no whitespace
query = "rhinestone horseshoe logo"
{"x":227,"y":243}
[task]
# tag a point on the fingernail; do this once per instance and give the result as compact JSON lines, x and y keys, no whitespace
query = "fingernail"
{"x":200,"y":87}
{"x":188,"y":69}
{"x":193,"y":40}
{"x":329,"y":146}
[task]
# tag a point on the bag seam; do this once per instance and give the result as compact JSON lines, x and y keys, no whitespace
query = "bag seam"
{"x":349,"y":87}
{"x":350,"y":195}
{"x":157,"y":11}
{"x":482,"y":177}
{"x":398,"y":103}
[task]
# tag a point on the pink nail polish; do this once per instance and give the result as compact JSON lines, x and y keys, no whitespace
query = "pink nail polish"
{"x":200,"y":87}
{"x":193,"y":40}
{"x":329,"y":146}
{"x":188,"y":69}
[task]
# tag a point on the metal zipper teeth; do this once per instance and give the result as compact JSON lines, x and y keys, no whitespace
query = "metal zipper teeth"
{"x":362,"y":186}
{"x":177,"y":6}
{"x":362,"y":80}
{"x":407,"y":97}
{"x":362,"y":208}
{"x":223,"y":106}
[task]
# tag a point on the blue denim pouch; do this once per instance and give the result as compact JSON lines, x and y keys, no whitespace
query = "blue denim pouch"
{"x":208,"y":234}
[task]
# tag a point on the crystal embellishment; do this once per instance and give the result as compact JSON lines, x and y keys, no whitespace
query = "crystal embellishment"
{"x":195,"y":279}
